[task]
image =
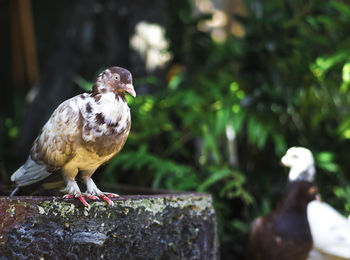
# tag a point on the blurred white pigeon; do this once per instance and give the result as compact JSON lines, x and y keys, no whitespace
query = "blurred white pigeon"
{"x":329,"y":229}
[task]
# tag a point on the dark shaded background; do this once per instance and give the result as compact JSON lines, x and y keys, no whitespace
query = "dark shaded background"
{"x":247,"y":80}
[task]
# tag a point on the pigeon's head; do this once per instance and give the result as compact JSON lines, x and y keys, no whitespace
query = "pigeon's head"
{"x":116,"y":79}
{"x":301,"y":163}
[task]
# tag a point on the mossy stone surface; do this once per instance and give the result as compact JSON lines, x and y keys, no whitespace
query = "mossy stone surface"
{"x":163,"y":226}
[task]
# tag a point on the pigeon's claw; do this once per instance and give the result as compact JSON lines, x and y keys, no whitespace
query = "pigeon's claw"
{"x":82,"y":199}
{"x":106,"y":199}
{"x":92,"y":190}
{"x":79,"y":196}
{"x":111,"y":195}
{"x":73,"y":191}
{"x":68,"y":196}
{"x":91,"y":196}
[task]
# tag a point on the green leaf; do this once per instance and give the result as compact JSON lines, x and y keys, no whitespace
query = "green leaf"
{"x":346,"y":77}
{"x":83,"y":83}
{"x":214,"y":178}
{"x":323,"y":64}
{"x":240,"y":225}
{"x":340,"y":7}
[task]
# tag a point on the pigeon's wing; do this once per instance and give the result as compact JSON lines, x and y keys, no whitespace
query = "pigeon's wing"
{"x":330,"y":230}
{"x":58,"y":139}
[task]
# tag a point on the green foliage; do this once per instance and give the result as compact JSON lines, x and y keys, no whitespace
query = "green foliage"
{"x":83,"y":83}
{"x":344,"y":194}
{"x":12,"y":128}
{"x":166,"y":172}
{"x":284,"y":83}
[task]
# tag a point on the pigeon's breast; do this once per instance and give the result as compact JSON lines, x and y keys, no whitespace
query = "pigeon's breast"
{"x":86,"y":160}
{"x":106,"y":123}
{"x":110,"y":142}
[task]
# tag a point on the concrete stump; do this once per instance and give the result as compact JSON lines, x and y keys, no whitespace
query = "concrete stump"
{"x":160,"y":226}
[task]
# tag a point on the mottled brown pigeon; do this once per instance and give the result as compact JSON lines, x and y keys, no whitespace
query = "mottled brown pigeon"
{"x":83,"y":133}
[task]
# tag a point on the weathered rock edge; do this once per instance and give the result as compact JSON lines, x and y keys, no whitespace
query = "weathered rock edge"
{"x":162,"y":226}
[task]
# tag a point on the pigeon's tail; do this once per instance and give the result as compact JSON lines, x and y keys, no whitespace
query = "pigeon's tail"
{"x":13,"y":193}
{"x":29,"y":173}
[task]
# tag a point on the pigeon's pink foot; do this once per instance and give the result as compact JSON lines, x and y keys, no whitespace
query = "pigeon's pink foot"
{"x":106,"y":199}
{"x":80,"y":197}
{"x":68,"y":196}
{"x":92,"y":197}
{"x":73,"y":191}
{"x":92,"y":190}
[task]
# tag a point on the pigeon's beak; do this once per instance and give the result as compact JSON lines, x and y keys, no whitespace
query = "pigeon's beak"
{"x":284,"y":161}
{"x":130,"y":89}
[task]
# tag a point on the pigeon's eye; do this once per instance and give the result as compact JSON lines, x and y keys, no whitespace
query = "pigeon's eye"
{"x":117,"y":77}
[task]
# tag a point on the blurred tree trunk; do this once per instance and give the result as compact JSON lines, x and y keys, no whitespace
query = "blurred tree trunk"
{"x":24,"y":54}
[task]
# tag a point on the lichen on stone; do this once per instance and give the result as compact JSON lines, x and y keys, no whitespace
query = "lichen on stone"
{"x":11,"y":210}
{"x":156,"y":205}
{"x":56,"y":207}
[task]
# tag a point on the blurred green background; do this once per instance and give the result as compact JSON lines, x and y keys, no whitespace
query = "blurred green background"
{"x":224,"y":89}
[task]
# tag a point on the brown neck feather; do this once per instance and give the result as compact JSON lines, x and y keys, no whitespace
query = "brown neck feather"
{"x":94,"y":91}
{"x":121,"y":95}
